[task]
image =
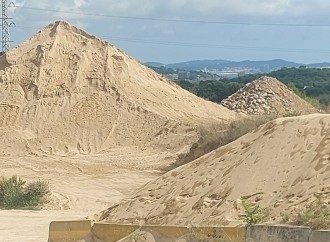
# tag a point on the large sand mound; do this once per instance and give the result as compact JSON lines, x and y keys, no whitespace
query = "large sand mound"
{"x":283,"y":165}
{"x":267,"y":95}
{"x":96,"y":124}
{"x":64,"y":91}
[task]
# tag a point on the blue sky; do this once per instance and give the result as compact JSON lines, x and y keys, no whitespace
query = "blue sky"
{"x":171,"y":31}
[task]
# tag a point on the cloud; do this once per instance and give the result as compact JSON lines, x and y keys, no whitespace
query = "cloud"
{"x":214,"y":8}
{"x":192,"y":9}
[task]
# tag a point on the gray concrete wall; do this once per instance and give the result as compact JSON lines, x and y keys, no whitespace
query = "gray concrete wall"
{"x":319,"y":236}
{"x":265,"y":233}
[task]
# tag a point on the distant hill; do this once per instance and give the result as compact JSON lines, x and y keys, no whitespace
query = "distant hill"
{"x":319,"y":65}
{"x":262,"y":66}
{"x":265,"y":66}
{"x":199,"y":64}
{"x":154,"y":64}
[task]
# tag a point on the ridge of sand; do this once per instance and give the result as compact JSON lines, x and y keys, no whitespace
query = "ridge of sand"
{"x":267,"y":95}
{"x":283,"y":165}
{"x":65,"y":92}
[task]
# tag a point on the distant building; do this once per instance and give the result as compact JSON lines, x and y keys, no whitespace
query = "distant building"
{"x":173,"y":77}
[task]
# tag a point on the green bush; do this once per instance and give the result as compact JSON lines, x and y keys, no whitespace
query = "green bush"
{"x":254,"y":214}
{"x":16,"y":193}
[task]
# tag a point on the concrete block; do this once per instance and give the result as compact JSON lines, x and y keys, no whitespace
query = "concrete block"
{"x":319,"y":236}
{"x":166,"y":233}
{"x":112,"y":232}
{"x":68,"y":231}
{"x":266,"y":233}
{"x":222,"y":234}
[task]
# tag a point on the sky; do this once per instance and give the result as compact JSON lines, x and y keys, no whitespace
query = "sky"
{"x":170,"y":31}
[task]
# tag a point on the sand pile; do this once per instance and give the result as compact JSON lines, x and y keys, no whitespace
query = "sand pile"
{"x":283,"y":165}
{"x":64,"y":91}
{"x":267,"y":95}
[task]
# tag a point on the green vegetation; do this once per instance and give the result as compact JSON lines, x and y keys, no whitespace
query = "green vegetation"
{"x":254,"y":214}
{"x":312,"y":84}
{"x":214,"y":91}
{"x":313,"y":101}
{"x":316,"y":216}
{"x":16,"y":193}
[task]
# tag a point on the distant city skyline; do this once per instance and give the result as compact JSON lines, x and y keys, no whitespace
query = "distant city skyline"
{"x":170,"y":31}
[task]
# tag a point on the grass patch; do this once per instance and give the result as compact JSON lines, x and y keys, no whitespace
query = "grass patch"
{"x":316,"y":216}
{"x":15,"y":193}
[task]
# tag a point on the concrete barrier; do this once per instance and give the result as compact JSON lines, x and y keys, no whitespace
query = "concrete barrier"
{"x":223,"y":234}
{"x":152,"y":233}
{"x":165,"y":233}
{"x":319,"y":236}
{"x":112,"y":232}
{"x":68,"y":231}
{"x":80,"y":230}
{"x":263,"y":233}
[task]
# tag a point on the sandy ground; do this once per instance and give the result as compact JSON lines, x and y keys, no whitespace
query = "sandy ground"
{"x":81,"y":186}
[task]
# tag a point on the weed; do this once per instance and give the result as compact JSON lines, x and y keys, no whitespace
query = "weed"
{"x":316,"y":216}
{"x":16,"y":193}
{"x":254,"y":214}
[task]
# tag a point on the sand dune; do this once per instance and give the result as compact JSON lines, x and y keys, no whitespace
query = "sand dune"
{"x":283,"y":165}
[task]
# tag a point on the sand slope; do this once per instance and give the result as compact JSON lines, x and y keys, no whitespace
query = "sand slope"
{"x":66,"y":91}
{"x":283,"y":165}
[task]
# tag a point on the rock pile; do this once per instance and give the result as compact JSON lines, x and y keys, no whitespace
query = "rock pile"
{"x":267,"y":95}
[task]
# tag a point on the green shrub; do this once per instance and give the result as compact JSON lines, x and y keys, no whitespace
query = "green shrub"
{"x":254,"y":214}
{"x":291,"y":114}
{"x":316,"y":216}
{"x":16,"y":193}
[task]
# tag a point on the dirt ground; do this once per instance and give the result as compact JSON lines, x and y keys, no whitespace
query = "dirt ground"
{"x":81,"y":186}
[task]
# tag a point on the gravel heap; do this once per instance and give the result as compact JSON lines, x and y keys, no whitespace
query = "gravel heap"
{"x":267,"y":95}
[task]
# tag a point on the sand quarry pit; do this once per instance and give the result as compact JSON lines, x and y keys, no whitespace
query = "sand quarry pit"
{"x":80,"y":186}
{"x":100,"y":127}
{"x":96,"y":124}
